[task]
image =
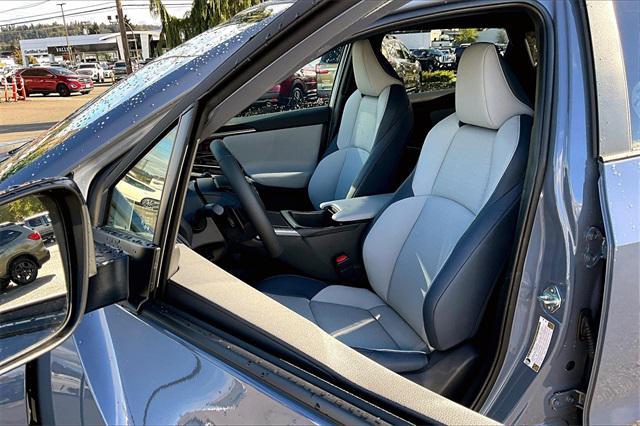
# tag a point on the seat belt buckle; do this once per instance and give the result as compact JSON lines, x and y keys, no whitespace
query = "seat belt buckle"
{"x":344,"y":266}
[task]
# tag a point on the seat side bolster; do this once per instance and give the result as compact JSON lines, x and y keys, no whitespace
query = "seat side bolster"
{"x":376,"y":176}
{"x":458,"y":295}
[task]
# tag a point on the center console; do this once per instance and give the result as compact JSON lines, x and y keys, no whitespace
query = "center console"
{"x":327,"y":244}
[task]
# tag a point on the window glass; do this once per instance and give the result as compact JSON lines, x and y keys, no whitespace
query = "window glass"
{"x":308,"y":87}
{"x":7,"y":236}
{"x":62,"y":71}
{"x":136,"y":197}
{"x":628,"y":17}
{"x":428,"y":60}
{"x":34,"y":222}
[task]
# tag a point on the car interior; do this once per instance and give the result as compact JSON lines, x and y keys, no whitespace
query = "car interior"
{"x":384,"y":217}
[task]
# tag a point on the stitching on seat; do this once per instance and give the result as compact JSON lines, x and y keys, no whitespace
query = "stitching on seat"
{"x":395,"y":263}
{"x":371,"y":314}
{"x":444,"y":157}
{"x":385,"y":330}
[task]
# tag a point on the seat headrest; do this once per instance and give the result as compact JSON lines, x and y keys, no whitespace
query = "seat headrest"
{"x":484,"y":95}
{"x":371,"y":77}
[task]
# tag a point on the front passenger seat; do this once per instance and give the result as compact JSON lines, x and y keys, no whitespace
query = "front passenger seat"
{"x":375,"y":127}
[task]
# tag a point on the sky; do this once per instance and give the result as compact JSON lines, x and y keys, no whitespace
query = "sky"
{"x":48,"y":11}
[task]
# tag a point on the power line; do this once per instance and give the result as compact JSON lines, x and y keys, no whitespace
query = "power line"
{"x":29,"y":6}
{"x":55,"y":14}
{"x":79,"y":13}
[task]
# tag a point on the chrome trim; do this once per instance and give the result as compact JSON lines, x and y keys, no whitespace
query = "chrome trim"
{"x":232,"y":132}
{"x":286,"y":232}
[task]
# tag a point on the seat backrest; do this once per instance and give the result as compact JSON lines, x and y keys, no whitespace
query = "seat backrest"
{"x":435,"y":253}
{"x":374,"y":129}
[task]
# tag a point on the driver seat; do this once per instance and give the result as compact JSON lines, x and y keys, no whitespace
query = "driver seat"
{"x":374,"y":129}
{"x":434,"y":254}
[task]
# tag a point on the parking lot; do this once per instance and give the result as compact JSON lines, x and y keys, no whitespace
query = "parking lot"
{"x":50,"y":283}
{"x":24,"y":120}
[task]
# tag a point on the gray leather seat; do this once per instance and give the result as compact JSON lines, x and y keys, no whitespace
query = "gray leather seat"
{"x":433,"y":255}
{"x":374,"y":129}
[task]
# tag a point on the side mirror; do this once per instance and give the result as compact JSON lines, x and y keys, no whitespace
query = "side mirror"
{"x":45,"y":259}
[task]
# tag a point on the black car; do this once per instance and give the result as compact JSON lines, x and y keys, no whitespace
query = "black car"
{"x":428,"y":58}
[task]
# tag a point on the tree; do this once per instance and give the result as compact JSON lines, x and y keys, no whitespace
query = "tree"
{"x":466,"y":35}
{"x":204,"y":14}
{"x":18,"y":210}
{"x":94,"y":29}
{"x":17,"y":54}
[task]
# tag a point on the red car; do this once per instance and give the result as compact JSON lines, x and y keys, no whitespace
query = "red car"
{"x":299,"y":87}
{"x":58,"y":80}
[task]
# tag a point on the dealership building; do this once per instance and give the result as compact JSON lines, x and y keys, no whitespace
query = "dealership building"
{"x":90,"y":47}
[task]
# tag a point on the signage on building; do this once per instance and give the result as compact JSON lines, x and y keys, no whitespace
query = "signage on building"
{"x":37,"y":51}
{"x":57,"y":50}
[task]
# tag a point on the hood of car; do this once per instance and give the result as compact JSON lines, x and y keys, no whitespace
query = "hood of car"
{"x":136,"y":101}
{"x":86,"y":71}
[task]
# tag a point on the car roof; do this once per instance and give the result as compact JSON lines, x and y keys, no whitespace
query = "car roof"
{"x":37,"y":215}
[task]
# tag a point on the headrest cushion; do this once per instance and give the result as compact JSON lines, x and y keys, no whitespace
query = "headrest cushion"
{"x":484,"y":95}
{"x":371,"y":77}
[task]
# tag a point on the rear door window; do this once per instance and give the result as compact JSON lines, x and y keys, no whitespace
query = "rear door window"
{"x":308,"y":87}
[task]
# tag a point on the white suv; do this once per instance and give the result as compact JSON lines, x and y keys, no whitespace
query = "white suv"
{"x":93,"y":69}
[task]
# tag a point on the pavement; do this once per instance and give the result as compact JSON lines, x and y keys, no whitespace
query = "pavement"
{"x":51,"y":283}
{"x":24,"y":120}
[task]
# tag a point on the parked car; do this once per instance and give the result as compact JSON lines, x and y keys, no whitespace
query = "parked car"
{"x":22,"y":254}
{"x":108,"y":71}
{"x":299,"y":87}
{"x":326,"y":71}
{"x":430,"y":59}
{"x":447,"y":59}
{"x":449,"y":258}
{"x":139,"y":192}
{"x":404,"y":62}
{"x":92,"y":69}
{"x":119,"y":70}
{"x":41,"y":223}
{"x":46,"y":80}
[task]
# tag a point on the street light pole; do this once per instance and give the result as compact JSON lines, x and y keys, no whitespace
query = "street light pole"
{"x":123,"y":36}
{"x":135,"y":40}
{"x":66,"y":34}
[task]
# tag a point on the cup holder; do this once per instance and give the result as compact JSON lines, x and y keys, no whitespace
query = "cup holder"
{"x":313,"y":219}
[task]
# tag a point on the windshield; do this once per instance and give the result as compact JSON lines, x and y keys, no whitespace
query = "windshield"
{"x":86,"y":66}
{"x":143,"y":93}
{"x":62,"y":71}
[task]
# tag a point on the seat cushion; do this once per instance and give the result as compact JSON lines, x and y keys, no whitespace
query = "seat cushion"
{"x":355,"y":316}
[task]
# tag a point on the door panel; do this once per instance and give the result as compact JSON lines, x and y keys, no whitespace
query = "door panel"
{"x":284,"y":158}
{"x":279,"y":149}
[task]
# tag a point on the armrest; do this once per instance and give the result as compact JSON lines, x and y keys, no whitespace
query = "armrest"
{"x":356,"y":209}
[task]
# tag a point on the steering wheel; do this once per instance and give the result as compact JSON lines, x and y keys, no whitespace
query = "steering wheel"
{"x":250,"y":201}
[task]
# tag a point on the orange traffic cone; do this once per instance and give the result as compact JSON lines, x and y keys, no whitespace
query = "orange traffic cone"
{"x":23,"y":90}
{"x":14,"y":86}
